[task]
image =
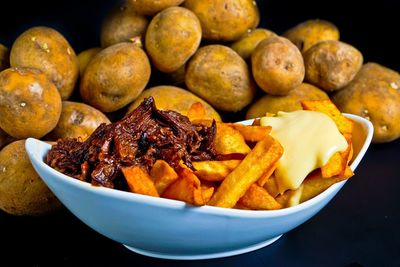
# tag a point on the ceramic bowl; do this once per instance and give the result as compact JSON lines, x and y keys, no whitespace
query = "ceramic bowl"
{"x":171,"y":229}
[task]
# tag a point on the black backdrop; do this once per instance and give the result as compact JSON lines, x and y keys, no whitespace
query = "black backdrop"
{"x":358,"y":228}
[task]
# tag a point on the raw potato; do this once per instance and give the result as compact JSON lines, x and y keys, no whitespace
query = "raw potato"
{"x":30,"y":103}
{"x":4,"y":57}
{"x":221,"y":77}
{"x":22,"y":191}
{"x":150,"y":8}
{"x":374,"y":95}
{"x":46,"y":49}
{"x":115,"y":77}
{"x":311,"y":32}
{"x":122,"y":24}
{"x":77,"y":120}
{"x":277,"y":66}
{"x":225,"y":20}
{"x":331,"y":65}
{"x":289,"y":102}
{"x":248,"y":42}
{"x":174,"y":98}
{"x":85,"y":57}
{"x":172,"y":38}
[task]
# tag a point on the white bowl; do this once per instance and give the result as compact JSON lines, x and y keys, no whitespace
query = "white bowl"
{"x":171,"y":229}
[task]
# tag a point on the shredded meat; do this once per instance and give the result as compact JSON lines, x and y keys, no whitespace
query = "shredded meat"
{"x":140,"y":138}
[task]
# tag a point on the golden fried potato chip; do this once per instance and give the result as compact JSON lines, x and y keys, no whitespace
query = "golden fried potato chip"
{"x":229,"y":141}
{"x":163,"y":175}
{"x":257,"y":198}
{"x":337,"y":163}
{"x":260,"y":159}
{"x":186,"y":188}
{"x":251,"y":133}
{"x":139,"y":181}
{"x":212,"y":170}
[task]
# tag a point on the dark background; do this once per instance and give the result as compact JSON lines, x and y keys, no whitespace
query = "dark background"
{"x":360,"y":227}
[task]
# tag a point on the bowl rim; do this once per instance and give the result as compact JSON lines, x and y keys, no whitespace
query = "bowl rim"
{"x":32,"y":145}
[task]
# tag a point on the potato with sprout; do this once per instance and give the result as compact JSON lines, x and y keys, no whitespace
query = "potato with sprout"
{"x":46,"y":49}
{"x":121,"y":24}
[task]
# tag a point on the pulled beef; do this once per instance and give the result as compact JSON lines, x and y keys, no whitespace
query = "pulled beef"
{"x":140,"y":138}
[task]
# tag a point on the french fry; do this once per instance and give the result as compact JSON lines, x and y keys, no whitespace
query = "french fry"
{"x":252,"y":133}
{"x":207,"y":193}
{"x":186,"y":188}
{"x":139,"y":181}
{"x":326,"y":106}
{"x":260,"y":159}
{"x":163,"y":175}
{"x":266,"y":176}
{"x":196,"y":112}
{"x":211,"y":170}
{"x":229,"y":141}
{"x":270,"y":185}
{"x":337,"y":163}
{"x":290,"y":198}
{"x":257,"y":198}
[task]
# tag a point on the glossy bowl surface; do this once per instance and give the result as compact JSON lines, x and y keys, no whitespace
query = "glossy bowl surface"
{"x":171,"y":229}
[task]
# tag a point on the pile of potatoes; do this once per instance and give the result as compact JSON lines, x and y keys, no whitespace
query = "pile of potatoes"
{"x":212,"y":49}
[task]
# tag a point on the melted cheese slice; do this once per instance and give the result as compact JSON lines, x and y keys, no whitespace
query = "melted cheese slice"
{"x":309,"y":139}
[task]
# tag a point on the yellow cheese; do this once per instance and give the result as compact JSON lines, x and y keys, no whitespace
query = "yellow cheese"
{"x":309,"y":139}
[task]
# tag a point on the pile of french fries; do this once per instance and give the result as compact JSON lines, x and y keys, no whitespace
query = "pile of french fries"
{"x":242,"y":177}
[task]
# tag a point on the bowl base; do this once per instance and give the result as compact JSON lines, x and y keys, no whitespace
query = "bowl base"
{"x":203,"y":256}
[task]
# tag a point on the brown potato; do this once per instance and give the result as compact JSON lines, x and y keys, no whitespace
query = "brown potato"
{"x":249,"y":41}
{"x":85,"y":57}
{"x":223,"y":20}
{"x":311,"y":32}
{"x":150,"y":8}
{"x":22,"y":191}
{"x":277,"y":65}
{"x":122,"y":24}
{"x":176,"y":99}
{"x":172,"y":38}
{"x":4,"y":57}
{"x":30,"y":103}
{"x":115,"y":77}
{"x":289,"y":102}
{"x":374,"y":95}
{"x":220,"y":76}
{"x":46,"y":49}
{"x":77,"y":120}
{"x":331,"y":65}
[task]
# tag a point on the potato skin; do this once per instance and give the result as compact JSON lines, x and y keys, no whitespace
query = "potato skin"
{"x":115,"y":77}
{"x":331,"y":65}
{"x":249,"y":41}
{"x":30,"y":103}
{"x":172,"y":37}
{"x":289,"y":102}
{"x":85,"y":57}
{"x":77,"y":120}
{"x":46,"y":49}
{"x":150,"y":8}
{"x":174,"y":98}
{"x":22,"y":191}
{"x":225,"y":20}
{"x":221,"y":77}
{"x":122,"y":24}
{"x":374,"y":95}
{"x":277,"y":66}
{"x":311,"y":32}
{"x":4,"y":57}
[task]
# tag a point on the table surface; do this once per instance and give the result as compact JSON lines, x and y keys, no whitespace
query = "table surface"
{"x":359,"y":227}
